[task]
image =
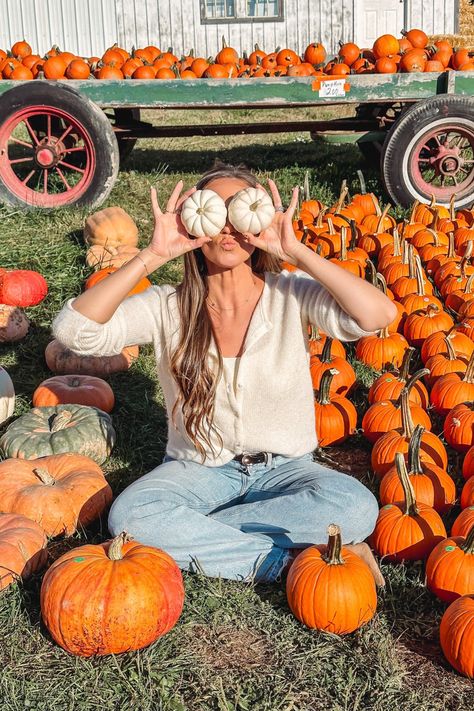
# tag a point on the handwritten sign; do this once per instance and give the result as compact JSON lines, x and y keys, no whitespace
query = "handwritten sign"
{"x":332,"y":89}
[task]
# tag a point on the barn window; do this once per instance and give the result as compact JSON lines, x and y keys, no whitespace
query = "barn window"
{"x":215,"y":11}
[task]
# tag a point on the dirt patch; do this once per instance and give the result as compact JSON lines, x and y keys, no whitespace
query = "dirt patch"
{"x":427,"y":667}
{"x":226,"y":647}
{"x":346,"y":459}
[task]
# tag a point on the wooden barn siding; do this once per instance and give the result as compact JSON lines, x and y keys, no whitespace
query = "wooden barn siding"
{"x":178,"y":23}
{"x":90,"y":26}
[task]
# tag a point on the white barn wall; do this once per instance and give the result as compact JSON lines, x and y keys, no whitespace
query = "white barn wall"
{"x":88,"y":27}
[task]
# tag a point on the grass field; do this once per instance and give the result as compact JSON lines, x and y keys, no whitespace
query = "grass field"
{"x":236,"y":647}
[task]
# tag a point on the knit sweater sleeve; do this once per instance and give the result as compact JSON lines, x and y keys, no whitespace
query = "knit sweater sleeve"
{"x":135,"y":322}
{"x":320,"y":308}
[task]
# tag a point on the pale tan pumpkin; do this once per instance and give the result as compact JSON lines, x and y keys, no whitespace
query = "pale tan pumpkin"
{"x":111,"y":226}
{"x":13,"y":324}
{"x":99,"y":257}
{"x":61,"y":360}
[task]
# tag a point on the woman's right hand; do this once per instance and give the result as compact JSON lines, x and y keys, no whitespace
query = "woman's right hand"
{"x":170,"y":238}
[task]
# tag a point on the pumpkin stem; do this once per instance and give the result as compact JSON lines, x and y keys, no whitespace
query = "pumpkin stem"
{"x":452,"y":214}
{"x":407,"y":419}
{"x":114,"y":551}
{"x":74,"y":382}
{"x":306,"y":185}
{"x":405,"y":366}
{"x":381,"y":283}
{"x":468,"y":287}
{"x":416,"y":376}
{"x":411,"y":509}
{"x":414,"y":462}
{"x":326,"y":356}
{"x":468,"y":545}
{"x":469,"y":374}
{"x":419,"y":276}
{"x":396,"y":243}
{"x":342,"y":196}
{"x":449,"y":347}
{"x":383,"y":333}
{"x":451,"y":253}
{"x":413,"y":210}
{"x":411,"y":262}
{"x":382,"y":217}
{"x":352,"y":243}
{"x":372,"y":273}
{"x":333,"y":556}
{"x":44,"y":476}
{"x":314,"y":334}
{"x":60,"y":421}
{"x":343,"y":255}
{"x":255,"y":205}
{"x":325,"y":385}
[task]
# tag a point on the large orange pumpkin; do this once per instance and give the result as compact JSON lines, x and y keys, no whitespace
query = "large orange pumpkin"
{"x":76,"y":389}
{"x":22,"y":548}
{"x":100,"y":274}
{"x":111,"y":598}
{"x":450,"y":567}
{"x":456,"y":634}
{"x":407,"y":530}
{"x":61,"y":360}
{"x":60,"y":492}
{"x":336,"y":416}
{"x":331,"y":588}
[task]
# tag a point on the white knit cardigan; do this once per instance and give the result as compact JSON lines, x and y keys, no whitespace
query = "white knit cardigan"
{"x":272,"y":407}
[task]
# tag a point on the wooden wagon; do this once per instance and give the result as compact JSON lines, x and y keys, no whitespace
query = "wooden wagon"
{"x":61,"y":142}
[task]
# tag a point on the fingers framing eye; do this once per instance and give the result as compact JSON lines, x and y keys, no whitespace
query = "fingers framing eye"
{"x":154,"y":202}
{"x":171,"y":204}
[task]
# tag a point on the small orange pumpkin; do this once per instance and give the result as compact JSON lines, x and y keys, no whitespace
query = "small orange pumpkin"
{"x":330,"y":588}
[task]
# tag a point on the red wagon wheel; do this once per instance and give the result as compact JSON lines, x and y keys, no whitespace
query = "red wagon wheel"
{"x":430,"y":152}
{"x":56,"y":148}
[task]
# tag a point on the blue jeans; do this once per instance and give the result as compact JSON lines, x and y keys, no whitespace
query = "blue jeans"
{"x":237,"y":521}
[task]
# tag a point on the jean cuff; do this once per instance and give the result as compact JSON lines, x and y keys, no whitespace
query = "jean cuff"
{"x":271,"y":569}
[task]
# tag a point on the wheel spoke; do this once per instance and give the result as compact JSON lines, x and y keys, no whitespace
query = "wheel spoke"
{"x":31,"y":132}
{"x":28,"y":177}
{"x":73,"y":167}
{"x":61,"y":175}
{"x":21,"y":160}
{"x":75,"y":149}
{"x":65,"y":133}
{"x":49,"y":128}
{"x":45,"y":180}
{"x":21,"y":143}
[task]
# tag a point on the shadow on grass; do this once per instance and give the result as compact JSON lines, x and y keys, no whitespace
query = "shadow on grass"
{"x":256,"y":156}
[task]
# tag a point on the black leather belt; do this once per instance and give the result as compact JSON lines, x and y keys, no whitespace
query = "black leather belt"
{"x":247,"y":458}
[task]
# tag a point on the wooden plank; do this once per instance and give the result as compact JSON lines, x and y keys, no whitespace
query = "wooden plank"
{"x":144,"y":130}
{"x":262,"y":93}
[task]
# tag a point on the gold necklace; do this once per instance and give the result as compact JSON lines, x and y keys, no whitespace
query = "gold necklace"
{"x":217,"y":308}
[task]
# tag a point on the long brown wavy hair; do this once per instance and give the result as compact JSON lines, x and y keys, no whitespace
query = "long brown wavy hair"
{"x":197,"y":382}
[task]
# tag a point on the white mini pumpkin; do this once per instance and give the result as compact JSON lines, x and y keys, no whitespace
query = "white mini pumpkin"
{"x":7,"y":396}
{"x":204,"y":213}
{"x":251,"y":210}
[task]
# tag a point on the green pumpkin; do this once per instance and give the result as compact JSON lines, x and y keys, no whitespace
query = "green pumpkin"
{"x":54,"y":430}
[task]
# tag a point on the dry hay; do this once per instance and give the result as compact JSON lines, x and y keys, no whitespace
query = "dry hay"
{"x":456,"y":40}
{"x":466,"y":19}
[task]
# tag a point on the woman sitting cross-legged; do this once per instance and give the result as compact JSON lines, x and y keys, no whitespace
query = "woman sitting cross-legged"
{"x":238,"y":491}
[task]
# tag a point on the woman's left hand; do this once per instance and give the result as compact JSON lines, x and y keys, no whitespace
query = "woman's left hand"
{"x":279,"y":238}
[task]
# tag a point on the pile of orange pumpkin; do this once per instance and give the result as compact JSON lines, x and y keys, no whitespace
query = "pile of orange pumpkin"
{"x":411,"y":53}
{"x":424,"y":264}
